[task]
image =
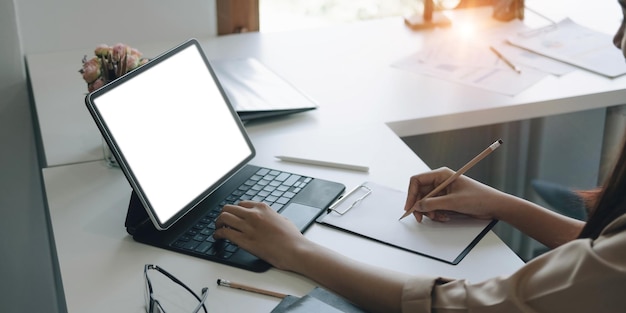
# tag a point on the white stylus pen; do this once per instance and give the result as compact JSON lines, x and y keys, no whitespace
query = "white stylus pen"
{"x":354,"y":167}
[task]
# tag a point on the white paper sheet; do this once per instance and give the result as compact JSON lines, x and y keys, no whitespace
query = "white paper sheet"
{"x":451,"y":56}
{"x":576,"y":45}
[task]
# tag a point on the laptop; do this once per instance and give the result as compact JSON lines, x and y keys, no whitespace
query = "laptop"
{"x":185,"y":153}
{"x":256,"y":92}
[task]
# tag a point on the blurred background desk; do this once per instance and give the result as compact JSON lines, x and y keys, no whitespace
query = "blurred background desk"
{"x":345,"y":69}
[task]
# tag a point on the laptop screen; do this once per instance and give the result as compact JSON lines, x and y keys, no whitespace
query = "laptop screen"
{"x":172,"y":130}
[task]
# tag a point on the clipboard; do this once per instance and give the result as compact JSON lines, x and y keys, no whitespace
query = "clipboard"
{"x":371,"y":210}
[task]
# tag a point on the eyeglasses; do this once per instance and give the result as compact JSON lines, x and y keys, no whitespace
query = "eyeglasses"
{"x":154,"y":306}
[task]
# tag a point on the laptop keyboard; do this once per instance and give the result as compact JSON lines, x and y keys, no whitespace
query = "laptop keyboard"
{"x":276,"y":188}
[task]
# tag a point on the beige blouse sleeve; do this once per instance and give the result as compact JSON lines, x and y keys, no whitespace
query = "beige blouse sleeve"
{"x":581,"y":276}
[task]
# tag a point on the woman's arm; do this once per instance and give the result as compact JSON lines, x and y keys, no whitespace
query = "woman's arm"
{"x":372,"y":288}
{"x":473,"y":198}
{"x":256,"y":228}
{"x":546,"y":226}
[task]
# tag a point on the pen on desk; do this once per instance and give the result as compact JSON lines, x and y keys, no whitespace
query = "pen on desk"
{"x":458,"y":173}
{"x":226,"y":283}
{"x":354,"y":167}
{"x":509,"y":63}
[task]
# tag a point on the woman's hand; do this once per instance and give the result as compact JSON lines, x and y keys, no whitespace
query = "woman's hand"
{"x":464,"y":195}
{"x":261,"y":231}
{"x":257,"y":228}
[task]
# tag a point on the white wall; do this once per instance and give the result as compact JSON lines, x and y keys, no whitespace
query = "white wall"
{"x":26,"y":268}
{"x":72,"y":24}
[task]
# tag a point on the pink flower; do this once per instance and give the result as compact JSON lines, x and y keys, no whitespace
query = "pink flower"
{"x":91,"y":70}
{"x":96,"y":84}
{"x":102,"y":50}
{"x":136,"y":53}
{"x":132,"y":61}
{"x":119,"y":50}
{"x":109,"y":64}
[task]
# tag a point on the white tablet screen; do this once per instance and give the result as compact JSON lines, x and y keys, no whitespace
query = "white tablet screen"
{"x":177,"y":135}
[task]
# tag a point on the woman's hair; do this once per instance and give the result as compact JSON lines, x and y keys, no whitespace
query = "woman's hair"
{"x":609,"y":202}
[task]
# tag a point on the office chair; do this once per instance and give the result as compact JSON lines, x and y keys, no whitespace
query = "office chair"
{"x":561,"y":199}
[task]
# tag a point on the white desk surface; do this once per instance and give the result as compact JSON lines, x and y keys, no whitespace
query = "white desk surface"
{"x":346,"y":69}
{"x":101,"y":266}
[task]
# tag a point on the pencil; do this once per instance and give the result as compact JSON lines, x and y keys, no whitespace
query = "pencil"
{"x":458,"y":173}
{"x":226,"y":283}
{"x":509,"y":63}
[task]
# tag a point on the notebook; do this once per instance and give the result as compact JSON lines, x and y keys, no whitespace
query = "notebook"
{"x":185,"y":153}
{"x":256,"y":91}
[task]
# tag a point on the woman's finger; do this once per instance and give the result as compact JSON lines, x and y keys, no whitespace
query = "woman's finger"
{"x":228,"y":233}
{"x":418,"y":216}
{"x":232,"y":216}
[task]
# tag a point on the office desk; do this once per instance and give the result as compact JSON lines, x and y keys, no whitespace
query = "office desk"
{"x":101,"y":266}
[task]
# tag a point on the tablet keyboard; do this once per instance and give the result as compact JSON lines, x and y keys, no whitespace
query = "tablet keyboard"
{"x":276,"y":188}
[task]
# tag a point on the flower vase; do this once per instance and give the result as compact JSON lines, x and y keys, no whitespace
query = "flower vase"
{"x":108,"y":64}
{"x":109,"y":158}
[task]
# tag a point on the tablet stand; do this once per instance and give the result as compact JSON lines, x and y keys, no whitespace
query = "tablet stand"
{"x":136,"y":216}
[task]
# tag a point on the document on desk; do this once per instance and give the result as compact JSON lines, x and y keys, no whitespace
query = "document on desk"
{"x":469,"y":60}
{"x":372,"y":211}
{"x":575,"y":44}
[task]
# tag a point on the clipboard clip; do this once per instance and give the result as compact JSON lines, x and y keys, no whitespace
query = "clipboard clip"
{"x":335,"y":205}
